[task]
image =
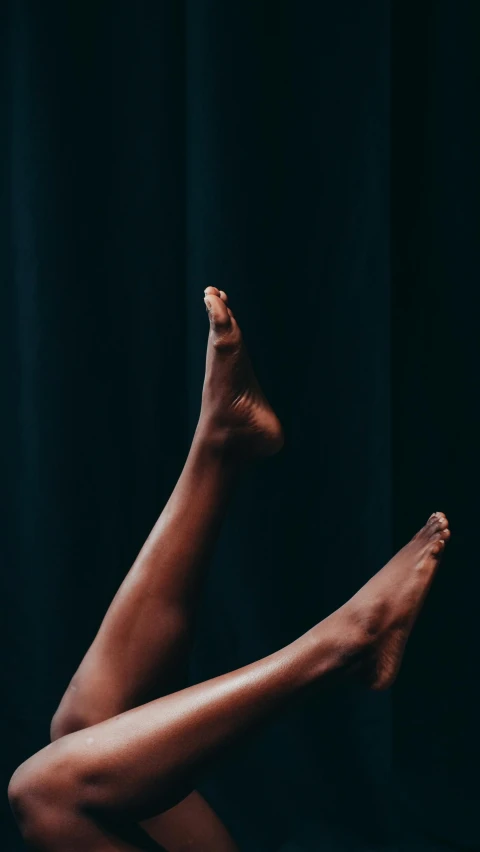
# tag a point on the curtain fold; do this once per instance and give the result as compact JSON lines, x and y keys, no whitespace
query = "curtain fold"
{"x":319,"y":162}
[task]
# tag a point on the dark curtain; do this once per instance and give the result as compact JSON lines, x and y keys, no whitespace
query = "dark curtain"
{"x":320,"y":161}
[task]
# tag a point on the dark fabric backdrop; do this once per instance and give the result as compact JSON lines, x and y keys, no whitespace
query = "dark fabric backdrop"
{"x":319,"y":160}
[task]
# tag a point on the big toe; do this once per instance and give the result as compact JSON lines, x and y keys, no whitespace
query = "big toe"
{"x":436,"y":531}
{"x":435,"y":516}
{"x":217,"y":310}
{"x":438,"y":521}
{"x":214,"y":291}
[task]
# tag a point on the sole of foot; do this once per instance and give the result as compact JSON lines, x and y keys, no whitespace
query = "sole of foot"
{"x":233,"y":404}
{"x":384,"y":611}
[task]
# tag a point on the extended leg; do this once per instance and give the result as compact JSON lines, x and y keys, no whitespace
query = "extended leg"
{"x":123,"y":770}
{"x":142,"y":646}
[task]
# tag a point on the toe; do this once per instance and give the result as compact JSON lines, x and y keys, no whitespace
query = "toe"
{"x":442,"y":521}
{"x":217,"y":311}
{"x":435,"y":528}
{"x":439,"y":525}
{"x":438,"y":546}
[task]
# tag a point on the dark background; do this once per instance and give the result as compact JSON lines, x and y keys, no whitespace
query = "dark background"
{"x":320,"y":161}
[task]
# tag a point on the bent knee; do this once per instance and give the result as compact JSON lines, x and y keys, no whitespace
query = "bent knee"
{"x":33,"y":801}
{"x":42,"y":793}
{"x":17,"y":790}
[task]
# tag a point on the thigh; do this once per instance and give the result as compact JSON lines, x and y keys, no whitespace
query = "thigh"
{"x":191,"y":826}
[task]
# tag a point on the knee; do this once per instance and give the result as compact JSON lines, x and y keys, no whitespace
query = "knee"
{"x":33,"y":803}
{"x":22,"y":790}
{"x":39,"y":796}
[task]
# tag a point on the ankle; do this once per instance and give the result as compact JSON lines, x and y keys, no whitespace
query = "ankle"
{"x":347,"y":637}
{"x":216,"y":440}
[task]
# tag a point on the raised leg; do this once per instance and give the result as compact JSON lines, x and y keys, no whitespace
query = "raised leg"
{"x":118,"y":772}
{"x":142,"y":646}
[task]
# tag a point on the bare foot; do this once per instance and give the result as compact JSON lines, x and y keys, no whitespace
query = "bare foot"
{"x":386,"y":608}
{"x":233,"y":405}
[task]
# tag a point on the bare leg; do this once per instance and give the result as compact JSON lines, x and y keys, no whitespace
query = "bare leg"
{"x":123,"y":770}
{"x":142,"y":646}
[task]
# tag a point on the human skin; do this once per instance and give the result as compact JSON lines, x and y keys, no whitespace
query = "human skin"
{"x":115,"y":764}
{"x":141,"y":650}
